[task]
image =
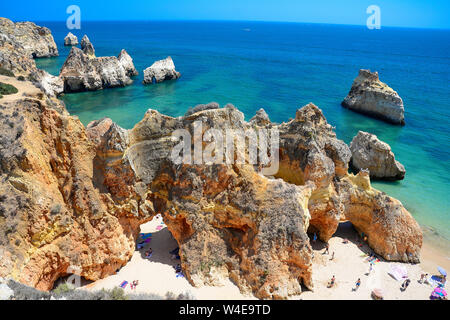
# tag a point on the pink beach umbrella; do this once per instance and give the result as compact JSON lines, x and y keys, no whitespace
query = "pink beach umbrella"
{"x":439,"y":292}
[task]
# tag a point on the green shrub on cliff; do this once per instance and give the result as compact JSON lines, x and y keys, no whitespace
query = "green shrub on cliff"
{"x":7,"y":89}
{"x":6,"y":72}
{"x":62,"y":289}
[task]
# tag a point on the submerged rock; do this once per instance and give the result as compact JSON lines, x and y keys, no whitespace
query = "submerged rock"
{"x":161,"y":70}
{"x":70,"y":40}
{"x":87,"y":47}
{"x":370,"y":153}
{"x":82,"y":73}
{"x":372,"y":97}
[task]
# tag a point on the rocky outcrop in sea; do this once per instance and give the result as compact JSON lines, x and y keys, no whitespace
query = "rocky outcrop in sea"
{"x":368,"y":152}
{"x":127,"y":62}
{"x":161,"y":70}
{"x":87,"y":47}
{"x":81,"y":72}
{"x":70,"y":40}
{"x":372,"y":97}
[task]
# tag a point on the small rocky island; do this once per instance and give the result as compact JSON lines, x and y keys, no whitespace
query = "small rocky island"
{"x":70,"y":40}
{"x":368,"y":152}
{"x":160,"y":71}
{"x":374,"y":98}
{"x":83,"y":71}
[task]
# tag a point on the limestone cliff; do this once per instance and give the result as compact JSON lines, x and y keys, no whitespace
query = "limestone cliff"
{"x":37,"y":41}
{"x":73,"y":199}
{"x":20,"y":43}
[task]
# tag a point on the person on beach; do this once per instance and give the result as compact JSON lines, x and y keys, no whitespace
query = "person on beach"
{"x":345,"y":241}
{"x":370,"y":268}
{"x":134,"y":284}
{"x":149,"y":253}
{"x":332,"y":256}
{"x":358,"y":283}
{"x":327,"y":248}
{"x":332,"y":282}
{"x":314,"y":237}
{"x":423,"y":277}
{"x":405,"y":284}
{"x":140,"y":245}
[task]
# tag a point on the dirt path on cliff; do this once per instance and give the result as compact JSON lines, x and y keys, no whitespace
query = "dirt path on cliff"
{"x":25,"y":88}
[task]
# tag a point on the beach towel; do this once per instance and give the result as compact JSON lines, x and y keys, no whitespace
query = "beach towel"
{"x":434,"y":281}
{"x":159,"y":227}
{"x":145,"y":235}
{"x":147,"y":240}
{"x":398,"y":272}
{"x":123,"y":284}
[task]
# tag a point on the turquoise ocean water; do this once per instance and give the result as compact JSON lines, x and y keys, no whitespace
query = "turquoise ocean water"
{"x":281,"y":67}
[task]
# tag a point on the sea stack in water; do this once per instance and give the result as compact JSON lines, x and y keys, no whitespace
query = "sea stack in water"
{"x":161,"y":70}
{"x":70,"y":40}
{"x":126,"y":61}
{"x":82,"y":72}
{"x":368,"y":152}
{"x":87,"y":47}
{"x":372,"y":97}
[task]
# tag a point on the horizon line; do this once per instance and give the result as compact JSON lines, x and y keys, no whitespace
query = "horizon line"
{"x":236,"y":20}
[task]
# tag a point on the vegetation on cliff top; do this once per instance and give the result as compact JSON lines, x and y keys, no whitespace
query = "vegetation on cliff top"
{"x":6,"y":72}
{"x":7,"y":89}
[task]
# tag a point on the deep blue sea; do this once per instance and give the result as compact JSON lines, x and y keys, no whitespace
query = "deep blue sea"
{"x":281,"y":67}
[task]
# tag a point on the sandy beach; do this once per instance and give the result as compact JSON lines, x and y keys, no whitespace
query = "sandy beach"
{"x":157,"y":274}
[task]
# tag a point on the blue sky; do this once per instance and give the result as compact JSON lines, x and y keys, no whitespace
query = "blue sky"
{"x":399,"y":13}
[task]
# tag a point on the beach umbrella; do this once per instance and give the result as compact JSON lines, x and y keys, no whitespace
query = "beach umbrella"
{"x":442,"y":271}
{"x":439,"y":292}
